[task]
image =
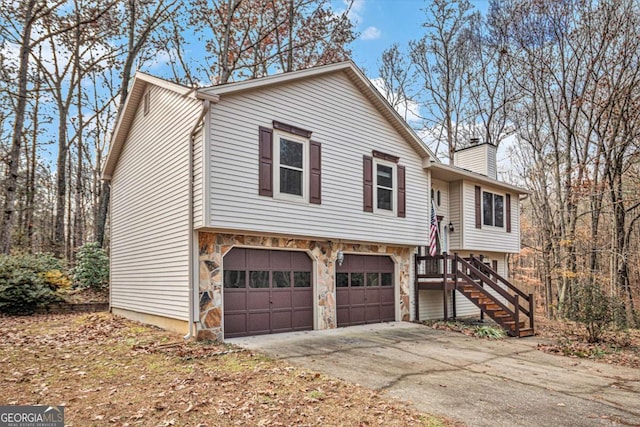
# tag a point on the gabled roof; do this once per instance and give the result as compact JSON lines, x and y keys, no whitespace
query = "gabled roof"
{"x":354,"y":74}
{"x":128,"y":113}
{"x":141,"y":80}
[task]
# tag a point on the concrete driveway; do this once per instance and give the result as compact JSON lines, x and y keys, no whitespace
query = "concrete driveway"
{"x":479,"y":382}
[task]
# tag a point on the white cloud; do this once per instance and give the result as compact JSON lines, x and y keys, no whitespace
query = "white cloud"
{"x":355,"y":13}
{"x":408,"y":109}
{"x":370,"y":33}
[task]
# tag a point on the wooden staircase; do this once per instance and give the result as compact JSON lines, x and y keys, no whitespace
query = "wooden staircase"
{"x":495,"y":296}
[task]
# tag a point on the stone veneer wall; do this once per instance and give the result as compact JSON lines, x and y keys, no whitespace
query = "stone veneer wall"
{"x":213,"y":247}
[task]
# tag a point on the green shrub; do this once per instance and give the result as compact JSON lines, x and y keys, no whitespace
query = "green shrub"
{"x":597,"y":311}
{"x":92,"y":267}
{"x":491,"y":332}
{"x":23,"y":284}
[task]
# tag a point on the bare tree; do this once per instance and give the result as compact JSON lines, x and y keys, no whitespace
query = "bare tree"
{"x":441,"y":58}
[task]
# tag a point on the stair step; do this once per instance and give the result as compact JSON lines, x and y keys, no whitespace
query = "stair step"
{"x":491,"y":307}
{"x":529,"y":332}
{"x":501,"y":315}
{"x":511,"y":324}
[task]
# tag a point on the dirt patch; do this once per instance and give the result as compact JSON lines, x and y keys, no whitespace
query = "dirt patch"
{"x":108,"y":370}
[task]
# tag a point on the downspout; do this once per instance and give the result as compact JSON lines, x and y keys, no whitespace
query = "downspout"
{"x":192,"y":281}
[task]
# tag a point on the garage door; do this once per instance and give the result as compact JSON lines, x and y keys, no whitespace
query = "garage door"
{"x":266,"y":292}
{"x":364,"y":290}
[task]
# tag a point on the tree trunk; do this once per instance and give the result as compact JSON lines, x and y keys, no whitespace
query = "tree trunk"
{"x":13,"y":161}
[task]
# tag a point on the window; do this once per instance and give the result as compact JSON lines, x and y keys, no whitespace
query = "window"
{"x":385,"y":186}
{"x":492,"y":209}
{"x":291,"y":165}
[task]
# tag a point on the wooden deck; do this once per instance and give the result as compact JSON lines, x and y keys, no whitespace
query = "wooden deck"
{"x":494,"y":295}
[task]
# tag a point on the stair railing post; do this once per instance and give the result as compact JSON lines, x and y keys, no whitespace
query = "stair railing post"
{"x":444,"y":286}
{"x":531,"y":309}
{"x":454,"y":267}
{"x":416,"y":286}
{"x":516,"y":314}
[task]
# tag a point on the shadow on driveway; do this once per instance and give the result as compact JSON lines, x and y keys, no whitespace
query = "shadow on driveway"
{"x":482,"y":383}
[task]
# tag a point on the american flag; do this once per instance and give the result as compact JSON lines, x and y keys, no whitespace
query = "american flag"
{"x":433,"y":231}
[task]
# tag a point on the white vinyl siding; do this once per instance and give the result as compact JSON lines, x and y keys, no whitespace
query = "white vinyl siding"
{"x":494,"y":238}
{"x":480,"y":159}
{"x":198,"y":207}
{"x":347,"y":126}
{"x":456,"y":215}
{"x":150,"y":209}
{"x":431,"y":305}
{"x":442,"y":210}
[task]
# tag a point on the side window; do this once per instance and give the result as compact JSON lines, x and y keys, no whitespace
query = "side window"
{"x":385,"y":187}
{"x":492,"y":209}
{"x":384,"y":184}
{"x":290,"y":164}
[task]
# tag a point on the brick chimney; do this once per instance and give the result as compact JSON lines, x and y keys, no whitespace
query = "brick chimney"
{"x":477,"y":157}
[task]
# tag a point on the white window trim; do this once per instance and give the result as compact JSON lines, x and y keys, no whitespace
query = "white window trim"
{"x":394,"y":189}
{"x":277,"y":135}
{"x":504,"y":210}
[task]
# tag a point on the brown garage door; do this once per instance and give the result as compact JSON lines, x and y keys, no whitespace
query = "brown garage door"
{"x":364,"y":290}
{"x":266,"y":292}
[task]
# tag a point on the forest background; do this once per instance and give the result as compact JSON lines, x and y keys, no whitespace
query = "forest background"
{"x":558,"y":82}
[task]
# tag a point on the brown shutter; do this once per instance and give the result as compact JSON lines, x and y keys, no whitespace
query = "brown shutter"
{"x":508,"y":213}
{"x":402,"y":202}
{"x":265,"y":175}
{"x":478,"y":207}
{"x":315,"y":173}
{"x":368,"y":184}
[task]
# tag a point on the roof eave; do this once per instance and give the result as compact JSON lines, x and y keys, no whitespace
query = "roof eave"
{"x":460,"y":173}
{"x":127,"y":113}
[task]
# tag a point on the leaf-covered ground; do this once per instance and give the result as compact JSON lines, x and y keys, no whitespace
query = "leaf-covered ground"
{"x":110,"y":371}
{"x":568,"y":339}
{"x":563,"y":338}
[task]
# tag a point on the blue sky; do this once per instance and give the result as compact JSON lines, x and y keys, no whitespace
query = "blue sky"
{"x":384,"y":22}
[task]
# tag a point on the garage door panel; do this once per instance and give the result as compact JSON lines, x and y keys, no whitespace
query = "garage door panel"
{"x":357,"y":315}
{"x":235,"y":301}
{"x":258,"y":322}
{"x":235,"y":323}
{"x":302,"y":298}
{"x":257,"y":259}
{"x":356,"y":296}
{"x":373,"y":296}
{"x":281,"y":321}
{"x":302,"y":318}
{"x":372,"y":314}
{"x":278,"y":296}
{"x":281,"y":299}
{"x":388,"y":312}
{"x":258,"y":300}
{"x":365,"y":290}
{"x":342,"y":315}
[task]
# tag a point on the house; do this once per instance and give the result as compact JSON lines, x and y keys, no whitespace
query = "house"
{"x":290,"y":202}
